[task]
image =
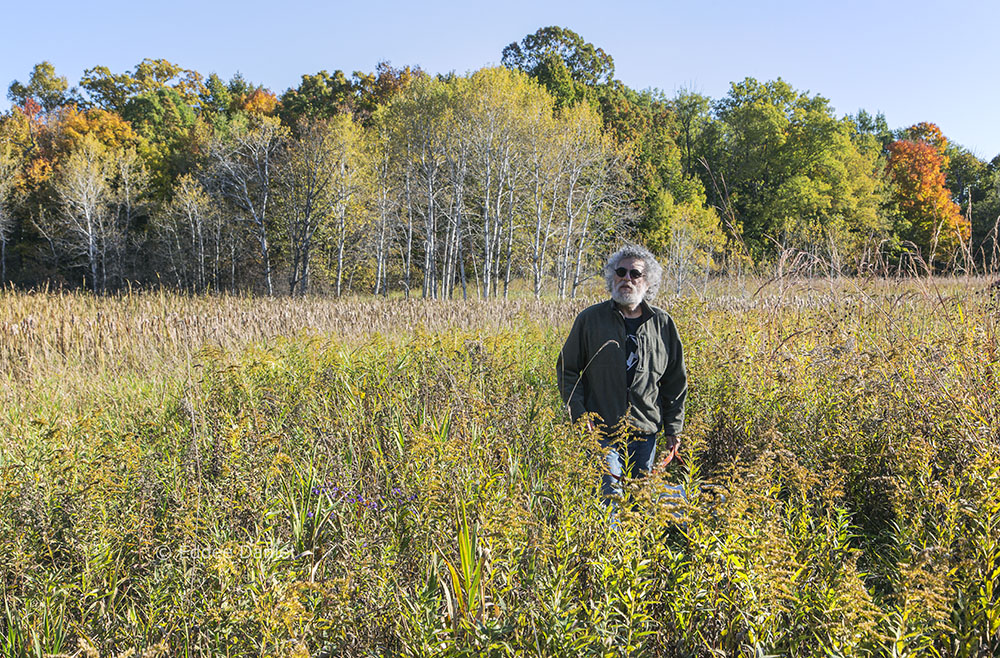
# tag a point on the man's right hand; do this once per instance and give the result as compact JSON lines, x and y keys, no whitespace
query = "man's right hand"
{"x":672,"y":444}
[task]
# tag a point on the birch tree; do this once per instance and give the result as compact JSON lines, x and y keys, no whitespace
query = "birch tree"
{"x":129,"y":188}
{"x":493,"y":103}
{"x":384,"y":195}
{"x":458,"y":152}
{"x":194,"y":236}
{"x":544,"y":182}
{"x":85,"y":229}
{"x":417,"y":118}
{"x":584,"y":154}
{"x":343,"y":201}
{"x":308,"y":181}
{"x":243,"y":171}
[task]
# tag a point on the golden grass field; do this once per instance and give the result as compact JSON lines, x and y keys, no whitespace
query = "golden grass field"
{"x":223,"y":475}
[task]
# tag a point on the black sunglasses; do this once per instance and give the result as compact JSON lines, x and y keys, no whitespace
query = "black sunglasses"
{"x":634,"y":274}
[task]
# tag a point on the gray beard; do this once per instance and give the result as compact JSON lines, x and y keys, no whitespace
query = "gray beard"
{"x":626,"y":299}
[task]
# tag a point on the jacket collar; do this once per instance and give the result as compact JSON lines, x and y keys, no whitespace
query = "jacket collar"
{"x":647,"y":311}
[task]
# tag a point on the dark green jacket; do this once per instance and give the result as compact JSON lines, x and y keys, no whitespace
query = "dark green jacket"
{"x":592,"y":378}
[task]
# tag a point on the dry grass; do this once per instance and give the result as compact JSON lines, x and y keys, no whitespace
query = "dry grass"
{"x":47,"y":333}
{"x":61,"y":344}
{"x":70,"y":346}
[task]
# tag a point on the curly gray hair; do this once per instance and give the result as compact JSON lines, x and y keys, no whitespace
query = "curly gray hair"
{"x":653,"y":271}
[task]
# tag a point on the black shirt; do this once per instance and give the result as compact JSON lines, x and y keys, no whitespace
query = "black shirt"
{"x":631,"y":346}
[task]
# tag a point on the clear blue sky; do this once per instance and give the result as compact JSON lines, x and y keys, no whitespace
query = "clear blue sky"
{"x":914,"y":61}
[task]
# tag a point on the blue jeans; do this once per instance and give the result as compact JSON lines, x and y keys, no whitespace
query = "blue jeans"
{"x":640,"y":455}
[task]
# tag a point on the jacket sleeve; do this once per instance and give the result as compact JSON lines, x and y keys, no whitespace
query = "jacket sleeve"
{"x":673,"y":384}
{"x":569,"y":369}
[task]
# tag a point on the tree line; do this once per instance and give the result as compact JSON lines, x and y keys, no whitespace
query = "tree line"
{"x":460,"y":185}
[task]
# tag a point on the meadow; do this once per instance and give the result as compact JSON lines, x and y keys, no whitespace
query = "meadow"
{"x":231,"y":476}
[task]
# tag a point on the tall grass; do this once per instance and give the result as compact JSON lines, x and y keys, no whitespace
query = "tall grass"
{"x":313,"y":478}
{"x":54,"y":345}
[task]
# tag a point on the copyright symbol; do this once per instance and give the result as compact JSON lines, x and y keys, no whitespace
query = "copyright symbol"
{"x":162,"y":552}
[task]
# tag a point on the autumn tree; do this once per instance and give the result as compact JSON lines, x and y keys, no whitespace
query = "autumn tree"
{"x":373,"y":90}
{"x":43,"y":139}
{"x":384,"y":194}
{"x":306,"y":181}
{"x":27,"y":140}
{"x":544,"y":185}
{"x":491,"y":106}
{"x":642,"y":125}
{"x":926,"y":216}
{"x":488,"y":174}
{"x":131,"y":188}
{"x":108,"y":128}
{"x":227,"y":106}
{"x":694,"y":238}
{"x":68,"y":155}
{"x":260,"y":102}
{"x":348,"y":185}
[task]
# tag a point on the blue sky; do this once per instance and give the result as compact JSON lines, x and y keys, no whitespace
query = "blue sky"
{"x":914,"y":61}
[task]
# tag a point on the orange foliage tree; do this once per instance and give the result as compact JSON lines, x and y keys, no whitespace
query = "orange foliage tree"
{"x":927,"y":215}
{"x":24,"y":127}
{"x":260,"y":101}
{"x":108,"y":128}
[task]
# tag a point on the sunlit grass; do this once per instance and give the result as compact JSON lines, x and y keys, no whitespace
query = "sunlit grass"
{"x":232,"y":476}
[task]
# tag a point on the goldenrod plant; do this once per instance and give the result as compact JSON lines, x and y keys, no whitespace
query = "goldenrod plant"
{"x":191,"y":476}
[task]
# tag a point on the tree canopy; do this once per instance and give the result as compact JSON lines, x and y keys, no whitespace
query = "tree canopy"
{"x":459,"y":184}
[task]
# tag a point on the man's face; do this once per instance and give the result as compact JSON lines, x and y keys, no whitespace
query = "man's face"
{"x":627,"y":290}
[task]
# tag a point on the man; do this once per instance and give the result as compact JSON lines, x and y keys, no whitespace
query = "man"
{"x":623,"y":362}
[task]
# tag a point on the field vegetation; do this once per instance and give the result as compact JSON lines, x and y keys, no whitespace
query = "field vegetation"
{"x":224,"y":475}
